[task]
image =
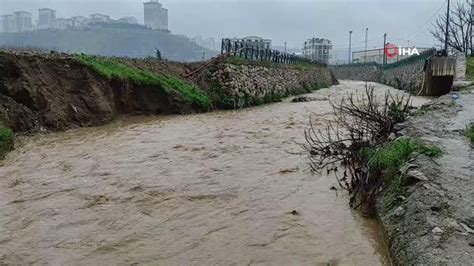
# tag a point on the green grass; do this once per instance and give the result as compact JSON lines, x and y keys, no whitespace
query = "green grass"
{"x":386,"y":162}
{"x":470,"y":68}
{"x":397,"y":152}
{"x":6,"y":141}
{"x":112,"y":69}
{"x":470,"y":132}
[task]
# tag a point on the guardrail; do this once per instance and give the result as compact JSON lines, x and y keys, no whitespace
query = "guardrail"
{"x":254,"y":52}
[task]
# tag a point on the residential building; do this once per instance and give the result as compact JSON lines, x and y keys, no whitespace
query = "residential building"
{"x":9,"y":23}
{"x":98,"y":18}
{"x":47,"y":17}
{"x":156,"y":17}
{"x":23,"y":21}
{"x":255,"y":42}
{"x":63,"y":24}
{"x":80,"y":21}
{"x":318,"y":49}
{"x":128,"y":20}
{"x":377,"y":56}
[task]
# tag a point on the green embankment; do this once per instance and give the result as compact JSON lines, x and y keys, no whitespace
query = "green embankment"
{"x":470,"y":68}
{"x":470,"y":132}
{"x":112,"y":69}
{"x":6,"y":141}
{"x":387,"y":161}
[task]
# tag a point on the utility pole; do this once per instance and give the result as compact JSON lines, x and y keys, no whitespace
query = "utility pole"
{"x":350,"y":46}
{"x":366,"y":36}
{"x":408,"y":43}
{"x":285,"y":47}
{"x":447,"y":31}
{"x":384,"y":61}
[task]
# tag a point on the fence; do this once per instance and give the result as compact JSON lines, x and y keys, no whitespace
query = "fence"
{"x":423,"y":57}
{"x":255,"y":52}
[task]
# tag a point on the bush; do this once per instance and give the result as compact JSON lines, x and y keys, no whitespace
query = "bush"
{"x":470,"y":132}
{"x":112,"y":69}
{"x":6,"y":141}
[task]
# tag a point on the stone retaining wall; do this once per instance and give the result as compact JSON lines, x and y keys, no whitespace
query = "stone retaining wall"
{"x":408,"y":77}
{"x":242,"y":85}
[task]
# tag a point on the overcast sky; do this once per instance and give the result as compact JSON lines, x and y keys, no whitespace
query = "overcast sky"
{"x":291,"y":20}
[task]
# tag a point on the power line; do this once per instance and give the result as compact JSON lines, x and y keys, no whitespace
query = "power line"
{"x":424,"y":24}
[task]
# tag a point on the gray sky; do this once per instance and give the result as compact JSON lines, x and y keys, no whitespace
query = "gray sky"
{"x":290,"y":20}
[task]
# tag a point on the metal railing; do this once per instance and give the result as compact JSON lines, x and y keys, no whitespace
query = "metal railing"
{"x":255,"y":52}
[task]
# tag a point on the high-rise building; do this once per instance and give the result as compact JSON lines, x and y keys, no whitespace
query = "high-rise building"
{"x":23,"y":21}
{"x":156,"y":17}
{"x":47,"y":17}
{"x":318,"y":49}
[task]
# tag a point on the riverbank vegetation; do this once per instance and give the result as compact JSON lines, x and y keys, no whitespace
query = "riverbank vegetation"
{"x":470,"y":132}
{"x":113,"y":69}
{"x":470,"y":68}
{"x":6,"y":141}
{"x":357,"y":141}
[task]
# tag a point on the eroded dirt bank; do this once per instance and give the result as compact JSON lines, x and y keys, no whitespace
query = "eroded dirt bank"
{"x":215,"y":188}
{"x":434,"y":223}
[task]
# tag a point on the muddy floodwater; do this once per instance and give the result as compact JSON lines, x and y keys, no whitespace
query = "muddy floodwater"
{"x":216,"y":188}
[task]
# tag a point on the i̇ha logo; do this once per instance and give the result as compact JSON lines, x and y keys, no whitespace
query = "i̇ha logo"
{"x":391,"y":50}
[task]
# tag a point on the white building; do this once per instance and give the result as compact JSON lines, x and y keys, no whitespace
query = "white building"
{"x":9,"y":23}
{"x":80,"y":22}
{"x":156,"y":17}
{"x":47,"y":17}
{"x":128,"y":20}
{"x":23,"y":21}
{"x":255,"y":42}
{"x":63,"y":24}
{"x":98,"y":18}
{"x":318,"y":49}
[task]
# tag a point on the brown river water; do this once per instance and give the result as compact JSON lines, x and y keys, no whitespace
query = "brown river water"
{"x":207,"y":189}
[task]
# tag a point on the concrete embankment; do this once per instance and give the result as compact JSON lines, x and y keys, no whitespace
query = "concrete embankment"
{"x":58,"y":91}
{"x":432,"y":223}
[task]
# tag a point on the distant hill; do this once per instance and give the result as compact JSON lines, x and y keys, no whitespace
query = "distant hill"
{"x":109,"y":40}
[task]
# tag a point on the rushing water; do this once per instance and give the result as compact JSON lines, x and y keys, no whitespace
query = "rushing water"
{"x":215,"y":188}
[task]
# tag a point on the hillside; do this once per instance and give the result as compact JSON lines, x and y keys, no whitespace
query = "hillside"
{"x":122,"y":40}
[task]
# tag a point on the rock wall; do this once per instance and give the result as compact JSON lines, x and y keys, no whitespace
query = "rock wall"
{"x":244,"y":85}
{"x":409,"y":77}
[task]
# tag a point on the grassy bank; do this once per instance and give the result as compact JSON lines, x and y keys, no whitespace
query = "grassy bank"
{"x":6,"y":141}
{"x":386,"y":162}
{"x":112,"y":69}
{"x":470,"y":68}
{"x":470,"y":132}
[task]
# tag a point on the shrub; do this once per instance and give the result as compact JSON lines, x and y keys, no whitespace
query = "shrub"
{"x":470,"y":132}
{"x":6,"y":141}
{"x":112,"y":69}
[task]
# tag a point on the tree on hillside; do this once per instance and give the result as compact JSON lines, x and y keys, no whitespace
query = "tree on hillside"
{"x":459,"y":30}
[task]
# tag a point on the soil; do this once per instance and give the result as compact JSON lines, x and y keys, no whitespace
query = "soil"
{"x":434,"y":223}
{"x":54,"y":92}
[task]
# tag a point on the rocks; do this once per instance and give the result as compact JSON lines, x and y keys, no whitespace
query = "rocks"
{"x":254,"y":84}
{"x":437,"y":231}
{"x":416,"y":175}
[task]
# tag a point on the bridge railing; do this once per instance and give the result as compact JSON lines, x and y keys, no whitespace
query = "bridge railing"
{"x":255,"y":52}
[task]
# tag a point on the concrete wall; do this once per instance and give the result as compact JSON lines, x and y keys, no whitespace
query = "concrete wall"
{"x":246,"y":84}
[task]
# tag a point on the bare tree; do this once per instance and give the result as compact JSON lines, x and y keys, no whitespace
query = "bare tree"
{"x":459,"y":30}
{"x":360,"y":123}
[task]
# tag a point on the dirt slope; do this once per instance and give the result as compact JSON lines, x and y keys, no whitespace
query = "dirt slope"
{"x":434,"y":225}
